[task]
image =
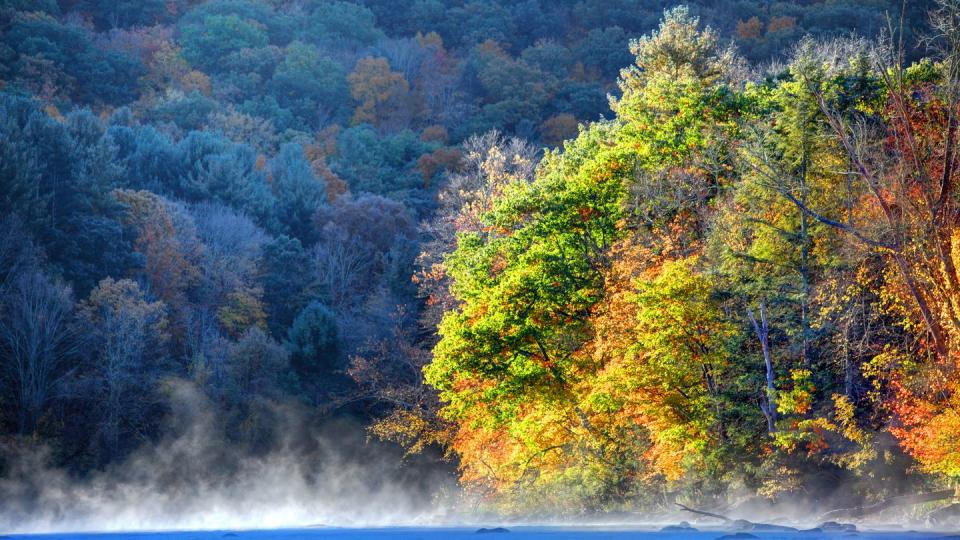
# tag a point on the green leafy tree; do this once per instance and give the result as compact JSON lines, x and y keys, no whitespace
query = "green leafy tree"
{"x":285,"y":275}
{"x":298,"y":192}
{"x":58,"y":177}
{"x":511,"y":357}
{"x":205,"y":43}
{"x":340,"y":23}
{"x":60,"y":59}
{"x":313,"y":341}
{"x":311,"y":85}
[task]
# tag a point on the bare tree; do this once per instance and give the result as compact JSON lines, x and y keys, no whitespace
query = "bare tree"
{"x":404,"y":54}
{"x":232,"y":245}
{"x":206,"y":348}
{"x":129,"y":336}
{"x":339,"y":264}
{"x":121,"y":355}
{"x":358,"y":238}
{"x":35,"y":342}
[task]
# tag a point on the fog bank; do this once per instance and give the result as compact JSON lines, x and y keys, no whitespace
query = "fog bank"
{"x":195,"y":479}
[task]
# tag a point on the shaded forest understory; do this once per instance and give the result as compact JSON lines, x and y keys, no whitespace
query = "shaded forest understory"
{"x":587,"y":255}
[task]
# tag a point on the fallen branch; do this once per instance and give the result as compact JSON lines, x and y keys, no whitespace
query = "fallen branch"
{"x":902,"y":500}
{"x":703,"y":513}
{"x":740,"y":524}
{"x":944,"y":514}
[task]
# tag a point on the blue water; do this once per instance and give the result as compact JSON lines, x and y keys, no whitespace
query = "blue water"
{"x":515,"y":533}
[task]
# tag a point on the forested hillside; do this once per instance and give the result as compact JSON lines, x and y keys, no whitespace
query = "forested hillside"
{"x":600,"y":254}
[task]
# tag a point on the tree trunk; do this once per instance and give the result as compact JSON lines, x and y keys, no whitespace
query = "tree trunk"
{"x":768,"y":406}
{"x":804,"y":267}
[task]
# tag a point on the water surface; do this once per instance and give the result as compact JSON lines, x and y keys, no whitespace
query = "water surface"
{"x":441,"y":533}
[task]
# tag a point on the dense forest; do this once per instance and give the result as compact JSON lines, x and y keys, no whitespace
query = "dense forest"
{"x":594,"y":255}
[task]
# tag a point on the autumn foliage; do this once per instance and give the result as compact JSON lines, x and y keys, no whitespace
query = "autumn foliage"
{"x":665,"y":304}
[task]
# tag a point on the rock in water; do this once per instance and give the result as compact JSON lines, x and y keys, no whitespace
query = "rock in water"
{"x":770,"y":527}
{"x":683,"y":526}
{"x":485,"y":530}
{"x":833,"y":526}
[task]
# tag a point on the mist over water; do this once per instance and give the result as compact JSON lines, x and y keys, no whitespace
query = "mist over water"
{"x":195,"y":479}
{"x":309,"y":475}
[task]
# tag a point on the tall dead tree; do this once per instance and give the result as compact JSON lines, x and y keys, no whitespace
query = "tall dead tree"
{"x":769,"y":404}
